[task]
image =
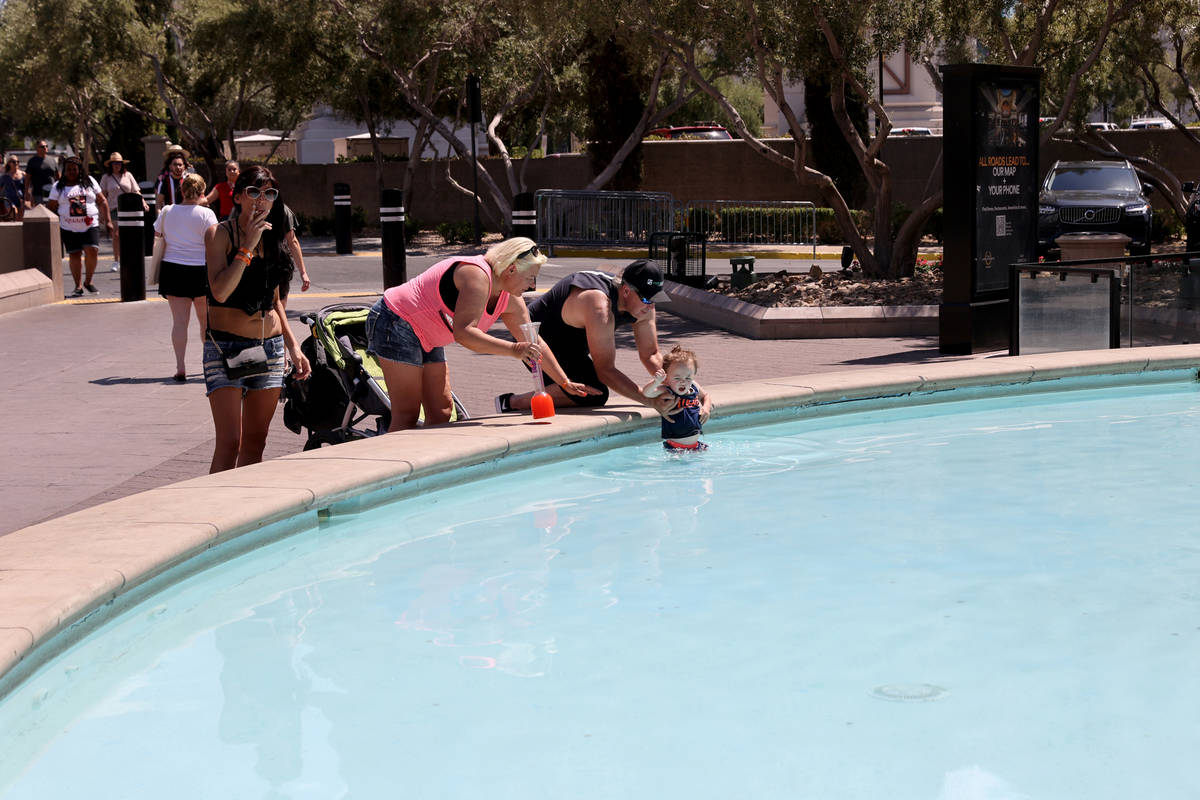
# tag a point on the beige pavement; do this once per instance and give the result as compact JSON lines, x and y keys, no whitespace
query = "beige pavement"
{"x":91,"y":413}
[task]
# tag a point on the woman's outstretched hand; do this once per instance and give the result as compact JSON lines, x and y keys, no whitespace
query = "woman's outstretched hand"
{"x":579,"y":389}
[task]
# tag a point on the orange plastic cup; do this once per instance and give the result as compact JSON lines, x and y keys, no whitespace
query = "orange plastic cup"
{"x":542,"y":405}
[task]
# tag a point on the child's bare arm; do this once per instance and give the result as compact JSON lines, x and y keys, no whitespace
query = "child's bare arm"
{"x":653,"y":387}
{"x":705,"y":402}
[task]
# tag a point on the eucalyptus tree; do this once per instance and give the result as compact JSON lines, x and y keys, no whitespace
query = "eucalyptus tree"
{"x":529,"y":57}
{"x":1154,"y":62}
{"x":781,"y":43}
{"x":428,"y":47}
{"x":56,"y":55}
{"x":784,"y":42}
{"x":217,"y":66}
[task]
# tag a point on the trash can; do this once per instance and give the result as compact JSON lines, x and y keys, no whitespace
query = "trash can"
{"x":741,"y":271}
{"x":682,"y":255}
{"x":1076,"y":246}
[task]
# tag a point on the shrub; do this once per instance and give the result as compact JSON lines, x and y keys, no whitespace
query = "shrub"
{"x":456,"y":232}
{"x":324,"y":226}
{"x":1164,"y":226}
{"x":367,"y":158}
{"x":828,"y":230}
{"x":316,"y":226}
{"x":699,"y":220}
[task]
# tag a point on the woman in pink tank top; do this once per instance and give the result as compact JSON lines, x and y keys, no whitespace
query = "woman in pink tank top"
{"x":456,"y":300}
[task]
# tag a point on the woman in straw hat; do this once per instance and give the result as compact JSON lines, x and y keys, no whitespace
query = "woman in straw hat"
{"x":117,"y":181}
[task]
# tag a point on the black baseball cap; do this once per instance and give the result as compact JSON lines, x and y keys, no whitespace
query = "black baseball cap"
{"x":646,"y":278}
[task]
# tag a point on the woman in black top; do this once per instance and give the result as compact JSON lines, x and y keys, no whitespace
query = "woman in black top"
{"x":248,"y":335}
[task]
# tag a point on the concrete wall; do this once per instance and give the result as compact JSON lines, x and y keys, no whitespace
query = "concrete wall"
{"x":30,"y":261}
{"x":12,"y":248}
{"x":689,"y":170}
{"x":308,"y":188}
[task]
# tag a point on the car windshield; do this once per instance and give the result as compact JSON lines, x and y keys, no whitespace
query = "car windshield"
{"x":702,"y":135}
{"x":1092,"y":179}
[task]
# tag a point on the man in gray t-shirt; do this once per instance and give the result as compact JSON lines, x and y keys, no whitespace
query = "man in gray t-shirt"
{"x":41,"y":171}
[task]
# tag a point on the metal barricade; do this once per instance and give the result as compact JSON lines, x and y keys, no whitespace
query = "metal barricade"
{"x":615,"y":219}
{"x":752,"y":222}
{"x":626,"y":219}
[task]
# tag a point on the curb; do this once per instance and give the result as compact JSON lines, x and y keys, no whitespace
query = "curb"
{"x":806,"y":322}
{"x":66,"y":576}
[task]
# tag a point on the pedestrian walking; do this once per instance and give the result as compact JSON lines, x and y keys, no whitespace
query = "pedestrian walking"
{"x":169,"y":189}
{"x":220,"y":199}
{"x":41,"y":171}
{"x":183,"y":275}
{"x":81,"y":209}
{"x":13,"y":191}
{"x":117,"y":181}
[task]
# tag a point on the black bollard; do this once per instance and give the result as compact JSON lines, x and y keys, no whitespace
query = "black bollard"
{"x":524,"y":216}
{"x":151,"y":215}
{"x":391,"y":227}
{"x":130,"y":225}
{"x":341,"y":219}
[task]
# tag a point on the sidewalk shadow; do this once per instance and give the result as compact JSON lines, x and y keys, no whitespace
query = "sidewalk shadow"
{"x":115,"y":381}
{"x":921,"y":355}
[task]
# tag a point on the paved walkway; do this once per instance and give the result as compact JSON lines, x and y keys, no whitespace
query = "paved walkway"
{"x":91,"y":413}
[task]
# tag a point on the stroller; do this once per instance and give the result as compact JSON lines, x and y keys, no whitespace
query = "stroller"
{"x":346,"y":388}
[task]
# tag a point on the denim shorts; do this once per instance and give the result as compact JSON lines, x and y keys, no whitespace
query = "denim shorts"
{"x":390,"y":336}
{"x":230,"y":345}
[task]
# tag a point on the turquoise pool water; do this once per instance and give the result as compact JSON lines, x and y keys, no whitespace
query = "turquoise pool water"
{"x":981,"y":600}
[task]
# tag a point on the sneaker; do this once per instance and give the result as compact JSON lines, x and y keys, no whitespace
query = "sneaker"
{"x":504,"y":403}
{"x":90,"y":288}
{"x":116,"y":267}
{"x":78,"y":292}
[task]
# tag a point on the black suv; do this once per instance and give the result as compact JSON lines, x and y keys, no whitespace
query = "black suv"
{"x":1094,"y":197}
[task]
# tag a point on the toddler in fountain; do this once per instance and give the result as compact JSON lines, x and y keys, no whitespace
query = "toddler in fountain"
{"x":691,"y":407}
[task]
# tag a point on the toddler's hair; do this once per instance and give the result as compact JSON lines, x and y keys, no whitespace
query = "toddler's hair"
{"x":192,"y":186}
{"x":680,"y":355}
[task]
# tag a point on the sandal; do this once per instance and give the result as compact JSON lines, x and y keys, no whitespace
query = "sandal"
{"x":179,"y":377}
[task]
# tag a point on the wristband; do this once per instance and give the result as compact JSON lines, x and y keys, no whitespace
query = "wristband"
{"x":246,"y":253}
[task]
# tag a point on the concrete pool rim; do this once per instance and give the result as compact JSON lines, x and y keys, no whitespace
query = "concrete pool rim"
{"x":63,"y":578}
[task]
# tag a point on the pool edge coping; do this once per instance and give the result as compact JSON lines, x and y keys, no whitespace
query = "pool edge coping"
{"x":57,"y":575}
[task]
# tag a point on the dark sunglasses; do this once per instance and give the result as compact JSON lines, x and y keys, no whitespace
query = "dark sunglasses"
{"x":253,"y":192}
{"x":531,"y":251}
{"x":645,"y":302}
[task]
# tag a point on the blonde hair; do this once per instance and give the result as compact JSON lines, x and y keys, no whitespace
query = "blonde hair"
{"x":193,"y":186}
{"x":504,"y":254}
{"x":680,"y":355}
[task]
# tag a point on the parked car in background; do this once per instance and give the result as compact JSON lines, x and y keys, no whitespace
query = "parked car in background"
{"x":697,"y":130}
{"x":1191,"y":220}
{"x":1094,"y":197}
{"x":1102,"y":126}
{"x":912,"y":132}
{"x":1150,"y":123}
